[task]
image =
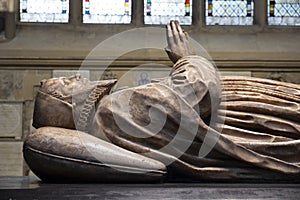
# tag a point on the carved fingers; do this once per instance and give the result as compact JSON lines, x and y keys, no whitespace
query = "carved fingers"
{"x":178,"y":42}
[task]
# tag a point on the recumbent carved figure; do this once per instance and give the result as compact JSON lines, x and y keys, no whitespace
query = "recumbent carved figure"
{"x":190,"y":126}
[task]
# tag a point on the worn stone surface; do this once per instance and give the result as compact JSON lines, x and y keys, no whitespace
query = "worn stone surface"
{"x":235,"y":73}
{"x":291,"y":77}
{"x":11,"y":119}
{"x":7,"y":85}
{"x":31,"y":78}
{"x":18,"y":84}
{"x":67,"y":73}
{"x":11,"y":158}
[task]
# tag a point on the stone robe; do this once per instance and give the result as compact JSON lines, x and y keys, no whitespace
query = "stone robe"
{"x":250,"y":130}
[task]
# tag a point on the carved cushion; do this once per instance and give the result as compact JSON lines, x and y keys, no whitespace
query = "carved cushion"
{"x":57,"y":154}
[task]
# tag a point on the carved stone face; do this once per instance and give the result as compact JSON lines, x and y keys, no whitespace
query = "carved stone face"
{"x":66,"y":86}
{"x":60,"y":101}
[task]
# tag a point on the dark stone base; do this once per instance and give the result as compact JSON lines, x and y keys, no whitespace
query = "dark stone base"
{"x":32,"y":188}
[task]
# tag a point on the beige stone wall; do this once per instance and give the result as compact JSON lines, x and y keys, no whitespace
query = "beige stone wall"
{"x":17,"y":90}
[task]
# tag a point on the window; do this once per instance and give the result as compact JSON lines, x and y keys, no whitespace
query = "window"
{"x":108,"y":12}
{"x":229,"y":12}
{"x":44,"y":11}
{"x":284,"y":12}
{"x":162,"y":11}
{"x":156,"y":12}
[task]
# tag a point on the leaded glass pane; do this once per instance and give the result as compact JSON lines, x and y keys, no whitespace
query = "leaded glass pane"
{"x":44,"y":11}
{"x":107,"y":12}
{"x":162,"y":11}
{"x":284,"y":12}
{"x":229,"y":12}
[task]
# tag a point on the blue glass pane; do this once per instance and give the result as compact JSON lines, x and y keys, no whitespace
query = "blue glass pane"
{"x":284,"y":12}
{"x":107,"y":12}
{"x":44,"y":11}
{"x":162,"y":11}
{"x":229,"y":12}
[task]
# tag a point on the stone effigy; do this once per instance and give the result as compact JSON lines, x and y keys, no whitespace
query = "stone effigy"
{"x":189,"y":126}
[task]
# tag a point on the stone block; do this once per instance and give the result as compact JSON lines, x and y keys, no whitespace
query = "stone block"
{"x":11,"y":119}
{"x":18,"y":84}
{"x":31,"y":78}
{"x":291,"y":77}
{"x":235,"y":73}
{"x":7,"y":87}
{"x":67,"y":73}
{"x":11,"y":158}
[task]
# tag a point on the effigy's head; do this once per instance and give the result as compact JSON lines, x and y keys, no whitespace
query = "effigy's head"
{"x":67,"y":101}
{"x":63,"y":87}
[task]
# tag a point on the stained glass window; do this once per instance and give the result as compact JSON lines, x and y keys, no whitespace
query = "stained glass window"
{"x":44,"y":11}
{"x":229,"y":12}
{"x":162,"y":11}
{"x":107,"y":12}
{"x":284,"y":12}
